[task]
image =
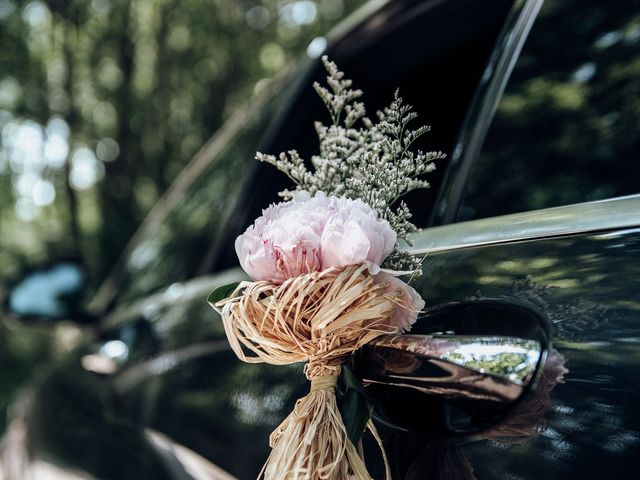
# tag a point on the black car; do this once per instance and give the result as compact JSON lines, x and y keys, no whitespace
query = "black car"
{"x":530,"y":231}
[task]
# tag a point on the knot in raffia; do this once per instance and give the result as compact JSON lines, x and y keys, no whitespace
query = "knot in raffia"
{"x":323,"y":363}
{"x":320,"y":318}
{"x":324,"y":382}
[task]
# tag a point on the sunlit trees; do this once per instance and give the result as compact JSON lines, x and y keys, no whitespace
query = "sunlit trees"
{"x":102,"y":102}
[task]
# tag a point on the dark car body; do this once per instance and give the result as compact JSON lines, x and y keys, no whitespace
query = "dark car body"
{"x":537,"y":106}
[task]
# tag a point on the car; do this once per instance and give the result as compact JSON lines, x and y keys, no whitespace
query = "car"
{"x":530,"y":233}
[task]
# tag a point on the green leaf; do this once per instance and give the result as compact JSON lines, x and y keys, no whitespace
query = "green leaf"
{"x":354,"y":404}
{"x":222,"y":292}
{"x":351,"y":380}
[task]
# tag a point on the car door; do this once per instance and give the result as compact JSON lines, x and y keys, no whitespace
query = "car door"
{"x":542,"y":210}
{"x":159,"y":395}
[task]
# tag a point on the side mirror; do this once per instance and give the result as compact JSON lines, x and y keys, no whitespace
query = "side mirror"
{"x":50,"y":294}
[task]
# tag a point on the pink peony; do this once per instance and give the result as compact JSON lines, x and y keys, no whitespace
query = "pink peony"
{"x":313,"y":233}
{"x":409,"y":302}
{"x":554,"y":369}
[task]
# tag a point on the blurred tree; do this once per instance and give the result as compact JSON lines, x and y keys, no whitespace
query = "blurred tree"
{"x":103,"y":102}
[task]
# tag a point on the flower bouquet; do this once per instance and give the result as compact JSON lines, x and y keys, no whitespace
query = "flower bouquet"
{"x":325,"y":265}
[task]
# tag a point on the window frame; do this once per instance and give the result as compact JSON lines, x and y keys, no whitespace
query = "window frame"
{"x":483,"y":108}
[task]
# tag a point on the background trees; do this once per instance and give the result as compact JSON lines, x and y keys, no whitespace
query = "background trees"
{"x":102,"y":102}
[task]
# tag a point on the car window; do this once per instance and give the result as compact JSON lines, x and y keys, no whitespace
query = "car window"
{"x":177,"y":244}
{"x":439,"y":79}
{"x":393,"y":50}
{"x":567,"y":128}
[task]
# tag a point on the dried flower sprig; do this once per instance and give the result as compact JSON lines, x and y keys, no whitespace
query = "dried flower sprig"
{"x":373,"y":162}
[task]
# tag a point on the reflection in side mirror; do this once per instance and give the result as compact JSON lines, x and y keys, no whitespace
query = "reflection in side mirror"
{"x":51,"y":294}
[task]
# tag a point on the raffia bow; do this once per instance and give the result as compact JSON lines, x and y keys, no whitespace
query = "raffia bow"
{"x":320,"y":318}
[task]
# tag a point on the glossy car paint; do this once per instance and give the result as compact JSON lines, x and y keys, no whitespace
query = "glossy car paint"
{"x":158,"y":394}
{"x":586,"y":284}
{"x":201,"y":397}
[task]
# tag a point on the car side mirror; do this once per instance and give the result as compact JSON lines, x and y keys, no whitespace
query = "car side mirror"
{"x":50,"y":294}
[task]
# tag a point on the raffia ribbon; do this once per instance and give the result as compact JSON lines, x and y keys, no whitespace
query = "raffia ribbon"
{"x":320,"y":318}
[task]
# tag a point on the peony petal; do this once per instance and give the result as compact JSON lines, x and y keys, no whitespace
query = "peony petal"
{"x":410,"y":303}
{"x":343,"y":244}
{"x":310,"y":233}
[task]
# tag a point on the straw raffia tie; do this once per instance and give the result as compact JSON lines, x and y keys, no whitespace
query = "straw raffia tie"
{"x":320,"y":318}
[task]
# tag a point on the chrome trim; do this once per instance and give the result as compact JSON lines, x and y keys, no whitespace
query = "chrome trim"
{"x":599,"y":216}
{"x":602,"y":215}
{"x":477,"y":356}
{"x":358,"y":16}
{"x":182,"y":462}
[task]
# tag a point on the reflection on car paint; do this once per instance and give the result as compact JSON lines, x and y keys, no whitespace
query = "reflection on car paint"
{"x":584,"y":287}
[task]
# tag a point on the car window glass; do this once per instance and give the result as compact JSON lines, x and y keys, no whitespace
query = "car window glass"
{"x":439,"y":80}
{"x":386,"y":53}
{"x":176,"y":247}
{"x":567,"y":129}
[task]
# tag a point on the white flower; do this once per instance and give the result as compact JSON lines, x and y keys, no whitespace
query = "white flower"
{"x":312,"y":233}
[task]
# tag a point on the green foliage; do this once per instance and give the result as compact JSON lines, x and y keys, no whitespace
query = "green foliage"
{"x":222,"y":292}
{"x":103,"y":103}
{"x":354,"y":404}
